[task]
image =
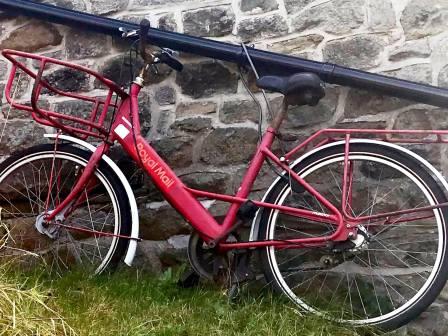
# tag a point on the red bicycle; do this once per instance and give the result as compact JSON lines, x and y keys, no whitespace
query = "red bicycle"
{"x":352,"y":229}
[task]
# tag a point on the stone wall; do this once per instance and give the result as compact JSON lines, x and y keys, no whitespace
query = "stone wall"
{"x":202,"y":120}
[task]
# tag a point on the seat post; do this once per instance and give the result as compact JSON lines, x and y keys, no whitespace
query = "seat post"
{"x":280,"y":115}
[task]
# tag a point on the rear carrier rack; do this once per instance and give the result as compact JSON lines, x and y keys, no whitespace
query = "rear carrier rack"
{"x":93,"y":120}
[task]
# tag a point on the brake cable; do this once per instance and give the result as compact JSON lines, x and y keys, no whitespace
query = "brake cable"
{"x":260,"y":119}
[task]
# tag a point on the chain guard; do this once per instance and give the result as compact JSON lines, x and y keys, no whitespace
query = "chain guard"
{"x":201,"y":258}
{"x":205,"y":261}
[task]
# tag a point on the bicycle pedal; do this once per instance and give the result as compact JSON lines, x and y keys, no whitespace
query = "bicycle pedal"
{"x":241,"y":271}
{"x":233,"y":293}
{"x":221,"y":271}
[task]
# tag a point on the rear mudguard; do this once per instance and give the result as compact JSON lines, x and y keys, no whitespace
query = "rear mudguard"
{"x":256,"y":221}
{"x":129,"y":257}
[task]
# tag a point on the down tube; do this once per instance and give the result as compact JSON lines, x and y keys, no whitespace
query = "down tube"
{"x":172,"y":188}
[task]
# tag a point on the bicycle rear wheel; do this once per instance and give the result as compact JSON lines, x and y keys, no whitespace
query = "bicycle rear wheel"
{"x":26,"y":195}
{"x":394,"y":271}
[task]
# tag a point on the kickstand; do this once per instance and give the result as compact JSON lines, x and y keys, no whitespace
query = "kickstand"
{"x":241,"y":273}
{"x":188,"y":279}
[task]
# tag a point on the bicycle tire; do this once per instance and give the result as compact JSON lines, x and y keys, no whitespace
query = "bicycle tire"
{"x":103,"y":206}
{"x":396,"y":162}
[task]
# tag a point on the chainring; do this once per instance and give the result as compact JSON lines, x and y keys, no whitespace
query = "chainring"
{"x":202,"y":257}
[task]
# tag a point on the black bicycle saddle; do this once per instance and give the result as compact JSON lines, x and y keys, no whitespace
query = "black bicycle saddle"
{"x":300,"y":89}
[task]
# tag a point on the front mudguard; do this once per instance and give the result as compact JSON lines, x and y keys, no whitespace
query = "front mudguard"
{"x":130,"y":253}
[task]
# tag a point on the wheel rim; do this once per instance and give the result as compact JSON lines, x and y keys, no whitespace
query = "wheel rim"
{"x":23,"y":196}
{"x":316,"y":305}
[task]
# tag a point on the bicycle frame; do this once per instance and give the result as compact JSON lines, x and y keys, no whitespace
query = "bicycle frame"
{"x":126,"y":130}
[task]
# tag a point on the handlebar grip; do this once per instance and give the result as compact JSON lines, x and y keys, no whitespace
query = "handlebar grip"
{"x":143,"y":35}
{"x":171,"y":61}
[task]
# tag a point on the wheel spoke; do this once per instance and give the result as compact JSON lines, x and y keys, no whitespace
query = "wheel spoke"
{"x":384,"y":272}
{"x":25,"y":188}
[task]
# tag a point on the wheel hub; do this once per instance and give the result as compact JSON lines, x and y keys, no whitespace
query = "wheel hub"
{"x":361,"y":240}
{"x":45,"y":228}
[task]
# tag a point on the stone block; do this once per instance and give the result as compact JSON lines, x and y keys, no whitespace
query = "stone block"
{"x":295,"y":45}
{"x":176,"y":151}
{"x":192,"y":125}
{"x":262,"y":27}
{"x":167,"y":22}
{"x":207,"y":180}
{"x":148,"y":255}
{"x":226,"y":146}
{"x":32,"y":37}
{"x":57,"y":54}
{"x":433,"y":322}
{"x":161,"y":223}
{"x":164,"y":121}
{"x":78,"y":5}
{"x":20,"y":134}
{"x":12,"y":113}
{"x":361,"y":51}
{"x":258,"y":6}
{"x":212,"y":21}
{"x":165,"y":95}
{"x":195,"y":108}
{"x":360,"y":102}
{"x":100,"y":7}
{"x":147,"y":3}
{"x":75,"y":108}
{"x":418,"y":48}
{"x":381,"y":15}
{"x":144,"y":106}
{"x":334,"y":17}
{"x":439,"y":118}
{"x":422,"y":18}
{"x":176,"y":253}
{"x":413,"y":119}
{"x":442,"y":79}
{"x":294,"y":6}
{"x":234,"y":111}
{"x":362,"y":125}
{"x":82,"y":44}
{"x":68,"y":80}
{"x":206,"y":78}
{"x":421,"y":73}
{"x":21,"y":85}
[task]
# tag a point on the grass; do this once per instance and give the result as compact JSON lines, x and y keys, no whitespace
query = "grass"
{"x":132,"y":303}
{"x":24,"y":310}
{"x":23,"y":306}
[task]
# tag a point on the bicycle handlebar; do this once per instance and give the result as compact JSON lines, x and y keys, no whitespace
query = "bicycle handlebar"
{"x":166,"y":58}
{"x":143,"y":36}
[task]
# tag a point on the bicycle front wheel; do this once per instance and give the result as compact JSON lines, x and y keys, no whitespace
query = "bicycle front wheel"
{"x":32,"y":183}
{"x":395,"y":267}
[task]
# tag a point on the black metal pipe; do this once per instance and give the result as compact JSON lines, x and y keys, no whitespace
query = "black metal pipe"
{"x":265,"y":61}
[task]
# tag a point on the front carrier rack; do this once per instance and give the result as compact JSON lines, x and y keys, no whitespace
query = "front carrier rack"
{"x":94,"y":123}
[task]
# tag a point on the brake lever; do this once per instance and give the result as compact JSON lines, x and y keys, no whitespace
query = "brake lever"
{"x":126,"y":33}
{"x":165,"y":56}
{"x":169,"y":51}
